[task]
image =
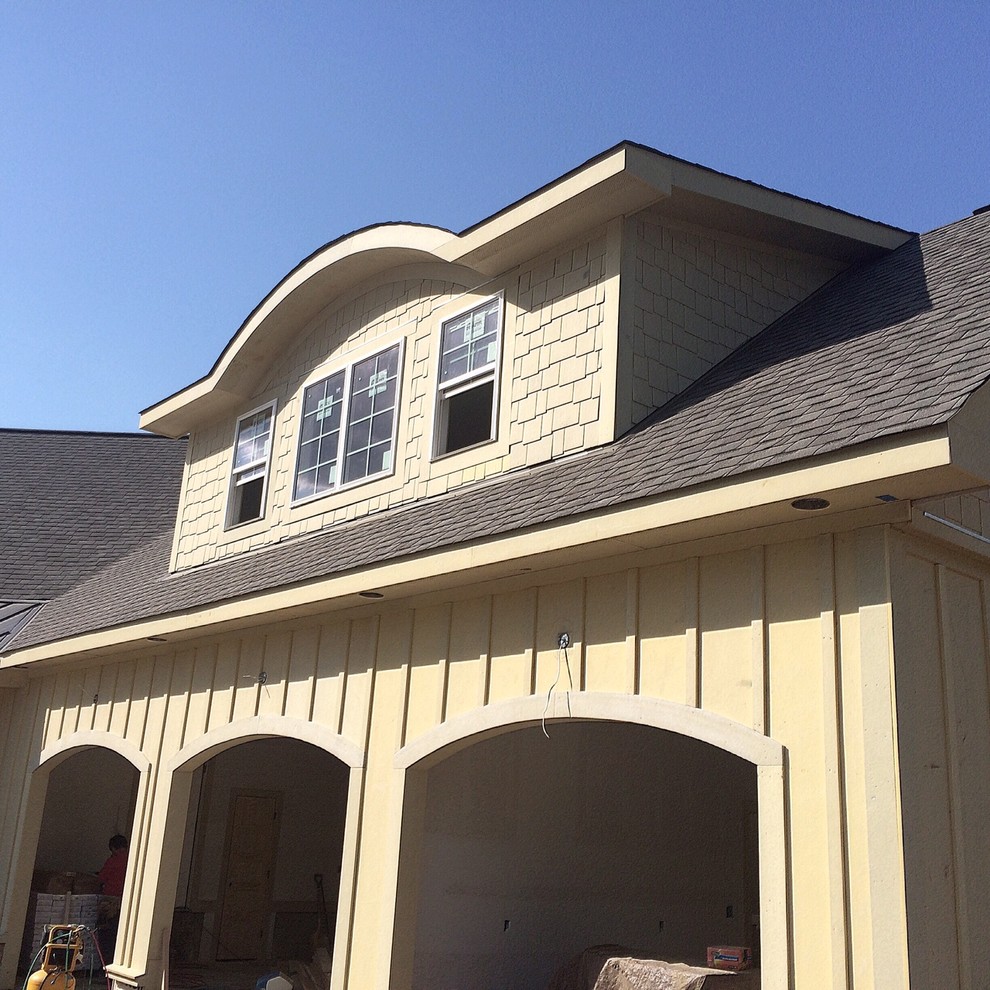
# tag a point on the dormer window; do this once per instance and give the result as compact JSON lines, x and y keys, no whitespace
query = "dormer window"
{"x":249,"y":474}
{"x":348,"y":425}
{"x":467,"y":389}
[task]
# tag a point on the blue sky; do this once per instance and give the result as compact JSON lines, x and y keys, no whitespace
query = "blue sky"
{"x":162,"y":166}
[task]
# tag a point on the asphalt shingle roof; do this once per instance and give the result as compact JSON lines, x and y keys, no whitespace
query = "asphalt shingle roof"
{"x":884,"y":348}
{"x":72,"y":503}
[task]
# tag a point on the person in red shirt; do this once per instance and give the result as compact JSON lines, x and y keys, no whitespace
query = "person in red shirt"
{"x":112,"y":882}
{"x":112,"y":874}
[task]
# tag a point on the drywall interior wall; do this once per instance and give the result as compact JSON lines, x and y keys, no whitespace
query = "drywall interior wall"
{"x":535,"y":849}
{"x":90,"y":798}
{"x":312,"y":786}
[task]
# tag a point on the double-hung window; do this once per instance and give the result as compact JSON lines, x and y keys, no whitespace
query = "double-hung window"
{"x":249,"y":474}
{"x":467,"y":403}
{"x":348,"y":425}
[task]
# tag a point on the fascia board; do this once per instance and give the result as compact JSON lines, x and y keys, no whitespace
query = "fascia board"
{"x":772,"y":203}
{"x":621,"y":182}
{"x":920,"y":464}
{"x":581,"y":201}
{"x":295,"y":300}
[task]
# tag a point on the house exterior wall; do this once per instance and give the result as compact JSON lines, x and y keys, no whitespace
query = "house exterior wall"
{"x":791,"y":640}
{"x":969,"y":511}
{"x":696,"y":295}
{"x":579,"y":365}
{"x":554,"y":351}
{"x":941,"y":609}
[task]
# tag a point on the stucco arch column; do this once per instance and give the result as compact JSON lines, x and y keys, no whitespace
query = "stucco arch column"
{"x":413,"y":761}
{"x":143,"y":958}
{"x":26,"y":836}
{"x":35,"y":789}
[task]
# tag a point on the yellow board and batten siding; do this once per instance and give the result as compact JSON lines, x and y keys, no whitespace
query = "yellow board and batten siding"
{"x":941,"y":633}
{"x":738,"y":634}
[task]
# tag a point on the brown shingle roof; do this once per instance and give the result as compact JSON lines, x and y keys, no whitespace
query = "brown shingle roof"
{"x":884,"y":348}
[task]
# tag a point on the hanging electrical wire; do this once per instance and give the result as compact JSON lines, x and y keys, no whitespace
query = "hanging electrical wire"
{"x":563,"y":641}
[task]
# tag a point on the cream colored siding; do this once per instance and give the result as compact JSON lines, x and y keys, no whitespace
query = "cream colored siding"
{"x":549,"y":397}
{"x":698,"y":295}
{"x":12,"y":703}
{"x":943,"y":706}
{"x":792,"y":639}
{"x":560,"y":336}
{"x":963,"y":519}
{"x":695,"y":296}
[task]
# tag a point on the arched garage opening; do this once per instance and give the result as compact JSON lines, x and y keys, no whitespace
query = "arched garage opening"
{"x":89,"y":796}
{"x":265,"y":819}
{"x":766,"y":756}
{"x":534,"y":849}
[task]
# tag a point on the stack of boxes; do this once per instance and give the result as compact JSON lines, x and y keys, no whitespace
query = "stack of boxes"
{"x":61,"y":909}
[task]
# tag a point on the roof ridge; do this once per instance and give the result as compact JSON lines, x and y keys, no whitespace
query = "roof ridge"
{"x":121,"y":434}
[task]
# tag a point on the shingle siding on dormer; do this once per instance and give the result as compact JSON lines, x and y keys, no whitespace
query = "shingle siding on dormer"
{"x":697,"y":295}
{"x":578,"y":366}
{"x":554,"y":339}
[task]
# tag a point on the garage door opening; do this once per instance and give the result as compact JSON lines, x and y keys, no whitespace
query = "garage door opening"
{"x":535,"y":849}
{"x":259,"y":875}
{"x":89,"y":800}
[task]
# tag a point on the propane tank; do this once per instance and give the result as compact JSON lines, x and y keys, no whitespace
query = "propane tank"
{"x":62,"y":951}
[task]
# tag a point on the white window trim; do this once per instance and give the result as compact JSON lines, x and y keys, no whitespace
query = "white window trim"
{"x":232,"y":473}
{"x":468,"y":380}
{"x":348,"y":369}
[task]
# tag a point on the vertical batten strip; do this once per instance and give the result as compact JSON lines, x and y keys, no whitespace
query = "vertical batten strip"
{"x":275,"y":667}
{"x":958,"y":866}
{"x":760,"y":657}
{"x":106,"y":691}
{"x":535,"y":651}
{"x":200,"y":693}
{"x":73,"y":697}
{"x":834,"y":769}
{"x":487,"y":687}
{"x":345,"y":673}
{"x":632,"y":630}
{"x":314,"y":674}
{"x":56,"y":713}
{"x":123,"y":693}
{"x":90,"y":698}
{"x":183,"y":672}
{"x":692,"y":637}
{"x":138,"y":708}
{"x":885,"y":835}
{"x":582,"y":659}
{"x":445,"y":669}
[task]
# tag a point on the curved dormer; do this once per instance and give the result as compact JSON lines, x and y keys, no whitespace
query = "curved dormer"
{"x":327,"y":273}
{"x":402,"y":361}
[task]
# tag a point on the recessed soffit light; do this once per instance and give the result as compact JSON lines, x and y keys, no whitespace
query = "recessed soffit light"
{"x":810,"y":504}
